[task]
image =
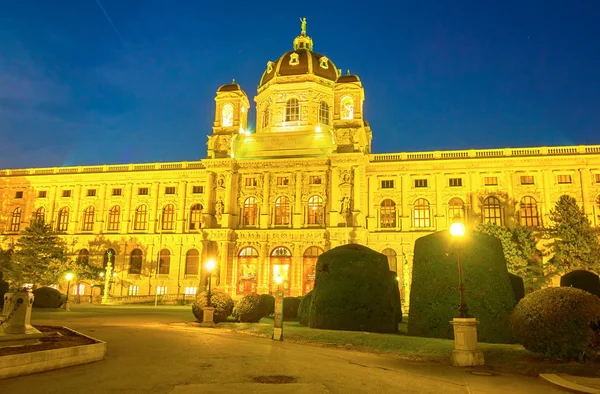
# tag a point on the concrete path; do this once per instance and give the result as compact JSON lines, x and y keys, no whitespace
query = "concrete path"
{"x":149,"y":354}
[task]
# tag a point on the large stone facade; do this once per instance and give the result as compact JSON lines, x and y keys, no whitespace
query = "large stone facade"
{"x":268,"y":202}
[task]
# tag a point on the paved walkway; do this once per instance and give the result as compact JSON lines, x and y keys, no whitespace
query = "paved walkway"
{"x":147,"y":354}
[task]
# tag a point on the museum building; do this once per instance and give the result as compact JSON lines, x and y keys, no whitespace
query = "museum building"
{"x":269,"y":202}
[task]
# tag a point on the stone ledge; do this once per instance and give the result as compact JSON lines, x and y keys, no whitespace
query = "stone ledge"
{"x":47,"y":360}
{"x":564,"y":383}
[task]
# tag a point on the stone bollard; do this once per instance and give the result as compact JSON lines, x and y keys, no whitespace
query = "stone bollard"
{"x":208,"y":316}
{"x":16,"y":315}
{"x":465,"y":352}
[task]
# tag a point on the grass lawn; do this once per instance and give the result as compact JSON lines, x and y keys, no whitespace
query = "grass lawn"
{"x":501,"y":358}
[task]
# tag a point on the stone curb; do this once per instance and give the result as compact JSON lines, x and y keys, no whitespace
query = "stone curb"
{"x":564,"y":383}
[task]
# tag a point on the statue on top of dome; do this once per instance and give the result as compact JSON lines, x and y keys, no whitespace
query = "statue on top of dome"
{"x":303,"y":21}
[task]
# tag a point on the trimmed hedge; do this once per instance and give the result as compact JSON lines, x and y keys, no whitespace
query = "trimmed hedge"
{"x":47,"y":297}
{"x":354,"y":291}
{"x":397,"y":301}
{"x":518,"y":286}
{"x":221,"y":301}
{"x":249,"y":309}
{"x":434,"y":296}
{"x":583,"y":280}
{"x":3,"y":290}
{"x":304,"y":308}
{"x":290,"y":307}
{"x":558,"y":322}
{"x":267,"y":304}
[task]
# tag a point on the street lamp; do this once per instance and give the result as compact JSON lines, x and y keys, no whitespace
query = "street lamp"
{"x":210,"y":266}
{"x":208,"y":314}
{"x":458,"y":230}
{"x":278,"y":318}
{"x":68,"y":277}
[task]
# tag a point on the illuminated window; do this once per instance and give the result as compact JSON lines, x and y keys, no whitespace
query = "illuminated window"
{"x":135,"y":262}
{"x":164,"y":262}
{"x":66,"y":193}
{"x":88,"y":219}
{"x":133,"y":290}
{"x":196,"y":217}
{"x":387,"y":214}
{"x":192,"y":258}
{"x":528,"y":212}
{"x":420,"y":182}
{"x":455,"y":182}
{"x":15,"y":222}
{"x":170,"y":190}
{"x":292,"y":110}
{"x":347,"y":108}
{"x":42,"y":194}
{"x":247,"y":269}
{"x":168,"y":217}
{"x":392,"y":259}
{"x":19,"y":194}
{"x":161,"y":290}
{"x":250,"y":212}
{"x":564,"y":179}
{"x":490,"y":181}
{"x":251,"y":182}
{"x":597,"y":178}
{"x":90,"y":193}
{"x":309,"y":264}
{"x":197,"y":189}
{"x":63,"y":219}
{"x":314,"y":180}
{"x":114,"y":218}
{"x":266,"y":117}
{"x":190,"y":290}
{"x":315,"y":210}
{"x":40,"y":214}
{"x":422,"y":213}
{"x":282,"y":211}
{"x":227,"y":115}
{"x":140,"y":221}
{"x":283,"y":181}
{"x":456,"y":209}
{"x":324,"y":113}
{"x":281,"y":261}
{"x":83,"y":258}
{"x":492,"y":211}
{"x":527,"y":180}
{"x":142,"y":191}
{"x":117,"y":192}
{"x":387,"y":184}
{"x":79,"y":290}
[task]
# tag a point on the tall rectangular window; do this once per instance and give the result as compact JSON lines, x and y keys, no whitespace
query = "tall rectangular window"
{"x":455,"y":182}
{"x":420,"y":182}
{"x":490,"y":181}
{"x":133,"y":290}
{"x":597,"y":178}
{"x":527,"y":180}
{"x":387,"y":184}
{"x":161,"y":290}
{"x":564,"y":179}
{"x":190,"y":290}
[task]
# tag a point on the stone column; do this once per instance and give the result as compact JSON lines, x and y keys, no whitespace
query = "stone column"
{"x":126,"y":216}
{"x":74,"y":225}
{"x":154,"y":214}
{"x":263,"y":269}
{"x":99,"y":225}
{"x":182,"y":211}
{"x":298,"y":212}
{"x":264,"y":207}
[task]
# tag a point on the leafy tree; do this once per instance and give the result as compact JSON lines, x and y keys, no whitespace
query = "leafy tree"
{"x":522,"y":256}
{"x":574,"y":243}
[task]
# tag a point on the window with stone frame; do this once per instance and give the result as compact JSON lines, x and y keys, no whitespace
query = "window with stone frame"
{"x":140,"y":220}
{"x":192,"y":259}
{"x":282,"y":211}
{"x":62,"y":224}
{"x":456,"y":209}
{"x":135,"y":262}
{"x":196,"y":217}
{"x":315,"y":210}
{"x":15,"y":221}
{"x":114,"y":218}
{"x":88,"y":219}
{"x":528,"y":212}
{"x":250,"y":212}
{"x":422,"y":213}
{"x":492,"y":211}
{"x":168,"y":217}
{"x":387,"y":214}
{"x":292,"y":110}
{"x":323,"y":113}
{"x":164,"y":262}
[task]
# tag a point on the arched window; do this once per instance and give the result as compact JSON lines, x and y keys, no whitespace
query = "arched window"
{"x":164,"y":262}
{"x":281,"y":260}
{"x":492,"y":211}
{"x":247,"y":269}
{"x":114,"y":218}
{"x":250,"y":212}
{"x":140,"y":221}
{"x":324,"y":113}
{"x":292,"y":110}
{"x":227,"y":115}
{"x":15,"y":222}
{"x":387,"y":214}
{"x":88,"y":219}
{"x":422,"y":213}
{"x":40,"y":214}
{"x":309,"y":263}
{"x":528,"y":213}
{"x":168,"y":217}
{"x":135,"y":262}
{"x":315,"y":210}
{"x":392,"y":259}
{"x":192,"y":257}
{"x":266,"y":116}
{"x":63,"y":219}
{"x":196,"y":217}
{"x":347,"y":108}
{"x":109,"y":255}
{"x":456,"y":209}
{"x":83,"y":258}
{"x":282,"y":211}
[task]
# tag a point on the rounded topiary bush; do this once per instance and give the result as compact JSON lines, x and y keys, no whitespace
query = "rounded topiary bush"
{"x":397,"y":301}
{"x":354,"y":291}
{"x":559,"y":322}
{"x":221,"y":301}
{"x":434,"y":296}
{"x":267,"y":304}
{"x":3,"y":290}
{"x":47,"y":297}
{"x":518,"y":286}
{"x":583,"y":280}
{"x":249,"y":309}
{"x":290,"y":307}
{"x":304,"y":308}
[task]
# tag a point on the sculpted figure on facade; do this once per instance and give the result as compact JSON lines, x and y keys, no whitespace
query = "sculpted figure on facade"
{"x":345,"y":176}
{"x":219,"y":207}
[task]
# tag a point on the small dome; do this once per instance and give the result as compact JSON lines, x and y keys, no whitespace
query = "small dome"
{"x":229,"y":87}
{"x":300,"y":62}
{"x":348,"y":78}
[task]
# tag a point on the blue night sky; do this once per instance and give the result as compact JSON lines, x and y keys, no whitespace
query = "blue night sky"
{"x":75,"y":89}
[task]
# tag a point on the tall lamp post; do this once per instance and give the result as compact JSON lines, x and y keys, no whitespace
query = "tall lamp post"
{"x":208,"y":312}
{"x":278,"y":318}
{"x":465,"y":353}
{"x":107,"y":277}
{"x":68,"y":277}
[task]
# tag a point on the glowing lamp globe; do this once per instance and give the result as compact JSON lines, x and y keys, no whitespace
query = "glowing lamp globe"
{"x":211,"y":264}
{"x":457,"y":229}
{"x":69,"y":276}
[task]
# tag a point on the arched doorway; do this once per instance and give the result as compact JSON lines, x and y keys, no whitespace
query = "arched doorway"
{"x":281,"y":261}
{"x":247,"y":268}
{"x":309,"y":268}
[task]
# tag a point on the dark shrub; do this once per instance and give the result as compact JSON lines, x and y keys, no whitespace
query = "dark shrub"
{"x":220,"y":300}
{"x":3,"y":290}
{"x":47,"y":297}
{"x":518,"y":286}
{"x":559,"y":322}
{"x":249,"y":309}
{"x":267,"y":304}
{"x":434,"y":296}
{"x":290,"y":307}
{"x":397,"y":301}
{"x":584,"y":280}
{"x":304,"y":308}
{"x":354,"y":291}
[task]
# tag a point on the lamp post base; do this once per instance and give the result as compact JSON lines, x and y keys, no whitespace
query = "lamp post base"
{"x":208,"y":314}
{"x":465,"y":353}
{"x":66,"y":306}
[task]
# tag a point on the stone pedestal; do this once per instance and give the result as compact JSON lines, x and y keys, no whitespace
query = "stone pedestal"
{"x":208,"y":317}
{"x":16,"y":317}
{"x":465,"y":353}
